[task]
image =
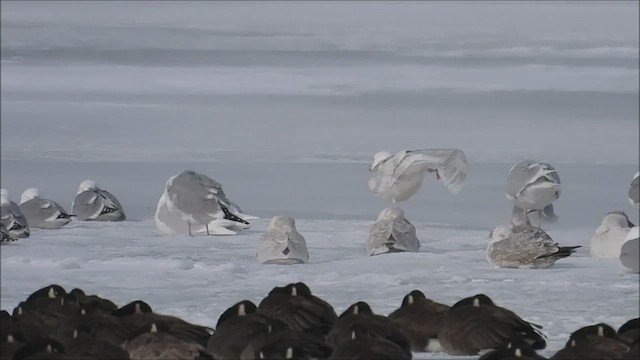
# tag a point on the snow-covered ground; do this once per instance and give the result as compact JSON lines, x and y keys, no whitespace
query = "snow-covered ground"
{"x":284,"y":104}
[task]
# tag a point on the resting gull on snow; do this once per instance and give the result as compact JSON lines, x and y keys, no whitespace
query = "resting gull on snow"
{"x":281,"y":243}
{"x":609,"y":236}
{"x":634,"y":191}
{"x":5,"y":238}
{"x":193,"y":202}
{"x":397,"y":177}
{"x":534,"y":186}
{"x":42,"y":213}
{"x":522,"y":245}
{"x":95,"y":204}
{"x":630,"y":251}
{"x":392,"y":232}
{"x":12,"y":218}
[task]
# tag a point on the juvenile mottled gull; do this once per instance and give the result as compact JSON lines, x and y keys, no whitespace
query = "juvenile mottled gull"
{"x":281,"y":243}
{"x":392,"y":232}
{"x":42,"y":213}
{"x":397,"y":177}
{"x":196,"y":200}
{"x":12,"y":218}
{"x":634,"y":191}
{"x":94,"y":204}
{"x":609,"y":236}
{"x":533,"y":186}
{"x":522,"y":245}
{"x":630,"y":251}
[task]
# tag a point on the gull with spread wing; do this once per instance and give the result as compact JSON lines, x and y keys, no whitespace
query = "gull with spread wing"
{"x":397,"y":177}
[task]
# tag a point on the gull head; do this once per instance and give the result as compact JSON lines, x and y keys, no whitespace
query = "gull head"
{"x":379,"y":158}
{"x":391,"y":213}
{"x":30,"y":193}
{"x":282,"y":223}
{"x":616,"y":219}
{"x":87,"y":185}
{"x":500,"y":232}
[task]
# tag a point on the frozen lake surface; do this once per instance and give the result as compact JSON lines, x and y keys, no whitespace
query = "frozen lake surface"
{"x":284,"y":103}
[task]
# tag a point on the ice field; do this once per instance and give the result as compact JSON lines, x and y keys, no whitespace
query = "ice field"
{"x":284,"y":103}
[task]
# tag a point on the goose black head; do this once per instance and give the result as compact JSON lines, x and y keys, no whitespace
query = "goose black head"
{"x":475,"y":301}
{"x":412,"y":297}
{"x":51,"y":291}
{"x":242,"y":308}
{"x":134,"y":307}
{"x":46,"y":346}
{"x":359,"y":308}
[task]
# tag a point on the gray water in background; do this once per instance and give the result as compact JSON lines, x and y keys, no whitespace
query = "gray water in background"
{"x":330,"y":191}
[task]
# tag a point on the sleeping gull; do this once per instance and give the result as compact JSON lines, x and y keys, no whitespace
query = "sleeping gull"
{"x":609,"y":236}
{"x":392,"y":232}
{"x":397,"y":177}
{"x":192,"y":201}
{"x":281,"y":243}
{"x":634,"y":191}
{"x":12,"y":218}
{"x":522,"y":245}
{"x":534,"y":186}
{"x":630,"y":252}
{"x":95,"y":204}
{"x":42,"y":213}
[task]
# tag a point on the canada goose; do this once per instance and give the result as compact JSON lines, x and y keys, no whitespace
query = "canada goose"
{"x":237,"y":327}
{"x":360,"y":314}
{"x":420,"y":319}
{"x":84,"y":345}
{"x":10,"y":343}
{"x":139,"y":313}
{"x":297,"y":307}
{"x":158,"y":343}
{"x":630,"y":331}
{"x":599,"y":341}
{"x":93,"y":303}
{"x":42,"y":349}
{"x":362,"y":345}
{"x":514,"y":349}
{"x":276,"y":344}
{"x":475,"y":323}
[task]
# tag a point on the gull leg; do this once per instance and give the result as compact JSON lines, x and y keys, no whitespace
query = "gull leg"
{"x":189,"y":224}
{"x":206,"y":226}
{"x":540,"y":218}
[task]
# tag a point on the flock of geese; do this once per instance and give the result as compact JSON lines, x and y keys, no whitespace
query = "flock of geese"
{"x":193,"y":203}
{"x":290,"y":323}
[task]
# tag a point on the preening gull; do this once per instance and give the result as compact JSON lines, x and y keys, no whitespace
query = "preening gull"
{"x":95,"y":204}
{"x":634,"y":191}
{"x":630,"y":252}
{"x":391,"y":232}
{"x":5,"y":237}
{"x":397,"y":177}
{"x":12,"y":218}
{"x":522,"y":245}
{"x":193,"y":203}
{"x":533,"y":186}
{"x":609,"y":236}
{"x":42,"y":213}
{"x":281,"y":243}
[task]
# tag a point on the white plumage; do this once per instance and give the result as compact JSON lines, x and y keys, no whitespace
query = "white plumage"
{"x":391,"y":232}
{"x":397,"y":177}
{"x":534,"y":186}
{"x":630,"y":252}
{"x":281,"y":243}
{"x":193,"y":203}
{"x":609,"y":236}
